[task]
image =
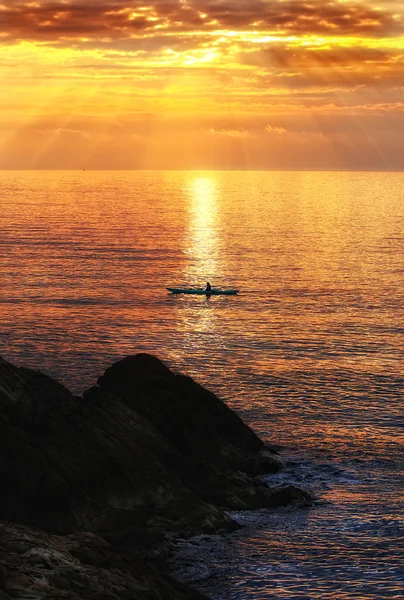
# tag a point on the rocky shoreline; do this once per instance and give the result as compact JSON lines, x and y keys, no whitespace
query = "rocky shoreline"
{"x":96,"y":489}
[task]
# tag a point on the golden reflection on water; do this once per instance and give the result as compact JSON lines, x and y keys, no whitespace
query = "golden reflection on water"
{"x":201,"y":243}
{"x":203,"y":246}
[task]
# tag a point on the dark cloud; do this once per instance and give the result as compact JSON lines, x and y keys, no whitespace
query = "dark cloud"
{"x":127,"y":20}
{"x":277,"y":55}
{"x":302,"y":67}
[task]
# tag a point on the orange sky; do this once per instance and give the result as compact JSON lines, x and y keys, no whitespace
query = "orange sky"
{"x":229,"y":84}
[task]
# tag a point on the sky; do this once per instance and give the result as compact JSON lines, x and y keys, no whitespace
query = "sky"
{"x":202,"y":84}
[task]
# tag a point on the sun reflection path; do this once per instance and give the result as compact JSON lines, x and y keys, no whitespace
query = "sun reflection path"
{"x":202,"y":244}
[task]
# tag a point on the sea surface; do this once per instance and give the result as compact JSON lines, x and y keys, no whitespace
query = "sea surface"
{"x":310,"y":353}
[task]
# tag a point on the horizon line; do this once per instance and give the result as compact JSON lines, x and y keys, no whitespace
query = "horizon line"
{"x":197,"y":169}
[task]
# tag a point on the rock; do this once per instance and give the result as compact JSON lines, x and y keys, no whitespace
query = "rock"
{"x":78,"y":566}
{"x":218,"y":451}
{"x":290,"y":495}
{"x":84,"y":458}
{"x":145,"y":456}
{"x":146,"y":447}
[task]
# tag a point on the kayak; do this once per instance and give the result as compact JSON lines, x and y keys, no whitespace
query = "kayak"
{"x":201,"y":291}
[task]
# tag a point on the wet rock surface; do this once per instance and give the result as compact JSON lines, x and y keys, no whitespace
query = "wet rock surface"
{"x":145,"y":456}
{"x":34,"y":564}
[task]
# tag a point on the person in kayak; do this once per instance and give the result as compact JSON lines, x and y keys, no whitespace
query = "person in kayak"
{"x":208,"y":287}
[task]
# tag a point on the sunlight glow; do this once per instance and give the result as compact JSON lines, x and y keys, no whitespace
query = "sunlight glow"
{"x":208,"y":70}
{"x":202,"y":242}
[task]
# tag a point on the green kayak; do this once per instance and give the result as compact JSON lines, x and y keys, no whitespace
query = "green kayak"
{"x":201,"y":291}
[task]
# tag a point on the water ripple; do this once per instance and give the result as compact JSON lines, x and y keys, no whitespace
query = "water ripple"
{"x":310,"y":352}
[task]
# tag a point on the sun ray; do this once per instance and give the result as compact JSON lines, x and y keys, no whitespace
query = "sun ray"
{"x":298,"y":65}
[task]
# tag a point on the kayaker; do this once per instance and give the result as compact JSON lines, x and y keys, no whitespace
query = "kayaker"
{"x":208,"y":287}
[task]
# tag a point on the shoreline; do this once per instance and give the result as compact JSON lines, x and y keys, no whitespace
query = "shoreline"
{"x":115,"y":477}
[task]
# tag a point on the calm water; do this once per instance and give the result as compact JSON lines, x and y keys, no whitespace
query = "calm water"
{"x":310,"y":353}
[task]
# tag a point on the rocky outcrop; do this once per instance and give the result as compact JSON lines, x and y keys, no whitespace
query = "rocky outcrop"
{"x":36,"y":565}
{"x":144,"y":456}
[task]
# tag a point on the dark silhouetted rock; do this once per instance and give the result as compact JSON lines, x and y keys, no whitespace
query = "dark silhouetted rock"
{"x":143,"y":457}
{"x":40,"y":566}
{"x":218,"y":451}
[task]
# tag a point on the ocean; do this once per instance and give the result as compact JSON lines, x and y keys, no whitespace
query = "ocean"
{"x":310,"y":352}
